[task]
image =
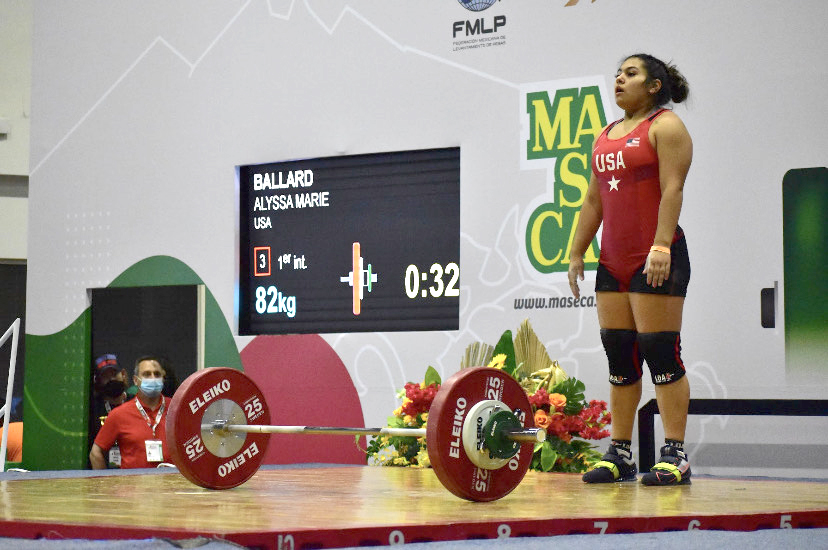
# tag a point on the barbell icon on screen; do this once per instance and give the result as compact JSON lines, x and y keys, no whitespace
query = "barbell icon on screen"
{"x":359,"y":278}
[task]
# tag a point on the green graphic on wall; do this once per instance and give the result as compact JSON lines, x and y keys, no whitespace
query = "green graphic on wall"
{"x":804,"y":204}
{"x":58,"y":370}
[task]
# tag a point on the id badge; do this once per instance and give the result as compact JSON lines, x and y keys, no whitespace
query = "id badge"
{"x":115,"y":457}
{"x":154,"y":451}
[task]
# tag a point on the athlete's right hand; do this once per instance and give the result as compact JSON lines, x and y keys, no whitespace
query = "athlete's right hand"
{"x":657,"y":268}
{"x":576,"y":271}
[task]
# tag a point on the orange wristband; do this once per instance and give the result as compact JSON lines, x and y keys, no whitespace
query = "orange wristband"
{"x":656,"y":248}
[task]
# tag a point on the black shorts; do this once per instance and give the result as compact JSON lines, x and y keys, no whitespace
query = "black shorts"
{"x":675,"y":285}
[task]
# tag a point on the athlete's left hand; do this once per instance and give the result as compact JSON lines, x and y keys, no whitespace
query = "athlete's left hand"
{"x":657,"y":268}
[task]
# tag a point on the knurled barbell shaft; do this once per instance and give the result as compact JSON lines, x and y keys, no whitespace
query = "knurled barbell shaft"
{"x":527,"y":435}
{"x":254,"y":428}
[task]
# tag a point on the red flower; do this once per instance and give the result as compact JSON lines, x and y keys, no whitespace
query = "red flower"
{"x":593,"y":420}
{"x":593,"y":432}
{"x":558,"y":427}
{"x":575,"y":424}
{"x":540,"y":400}
{"x":595,"y":413}
{"x":419,"y":398}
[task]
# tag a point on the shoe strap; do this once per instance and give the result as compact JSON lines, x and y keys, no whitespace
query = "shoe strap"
{"x":612,"y":467}
{"x":670,"y":468}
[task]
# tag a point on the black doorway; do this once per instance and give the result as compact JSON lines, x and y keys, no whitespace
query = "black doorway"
{"x":12,"y":306}
{"x":163,"y":321}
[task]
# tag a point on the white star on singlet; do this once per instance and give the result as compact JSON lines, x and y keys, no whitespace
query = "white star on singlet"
{"x":613,"y":183}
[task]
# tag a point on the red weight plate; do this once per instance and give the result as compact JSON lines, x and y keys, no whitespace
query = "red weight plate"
{"x":444,"y":434}
{"x":184,"y":438}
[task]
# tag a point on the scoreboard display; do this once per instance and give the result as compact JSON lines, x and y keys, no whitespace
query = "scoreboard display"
{"x":350,"y":243}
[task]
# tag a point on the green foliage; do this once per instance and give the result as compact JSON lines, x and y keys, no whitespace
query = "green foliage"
{"x":407,"y":447}
{"x":573,"y":389}
{"x":577,"y":456}
{"x":506,"y":346}
{"x":548,"y":458}
{"x":432,"y":377}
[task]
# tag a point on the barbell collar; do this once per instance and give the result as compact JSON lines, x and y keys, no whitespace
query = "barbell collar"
{"x":527,"y":435}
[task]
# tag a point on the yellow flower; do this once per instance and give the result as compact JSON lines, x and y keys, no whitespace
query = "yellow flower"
{"x":410,"y":420}
{"x":398,"y":411}
{"x":559,"y":374}
{"x":422,"y":459}
{"x":498,"y":361}
{"x":424,"y":417}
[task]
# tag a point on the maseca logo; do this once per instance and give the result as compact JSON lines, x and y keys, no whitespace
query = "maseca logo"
{"x":561,"y":120}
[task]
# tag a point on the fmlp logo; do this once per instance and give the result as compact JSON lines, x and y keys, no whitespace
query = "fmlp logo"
{"x":480,"y":25}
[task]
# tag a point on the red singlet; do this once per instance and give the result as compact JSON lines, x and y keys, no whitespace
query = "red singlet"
{"x":627,"y":173}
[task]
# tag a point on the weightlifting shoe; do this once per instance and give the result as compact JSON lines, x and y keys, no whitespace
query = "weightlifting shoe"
{"x":616,"y":465}
{"x":672,"y":469}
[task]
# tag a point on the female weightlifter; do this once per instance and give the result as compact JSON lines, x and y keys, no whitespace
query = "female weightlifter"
{"x":639,"y":164}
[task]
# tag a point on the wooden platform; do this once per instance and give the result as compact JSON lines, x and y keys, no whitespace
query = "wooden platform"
{"x":331,"y":507}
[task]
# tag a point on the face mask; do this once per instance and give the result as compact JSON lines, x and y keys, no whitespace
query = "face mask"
{"x":151,"y":387}
{"x":113,"y":388}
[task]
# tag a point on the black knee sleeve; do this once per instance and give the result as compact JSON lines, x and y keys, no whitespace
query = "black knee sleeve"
{"x":624,"y":358}
{"x":662,"y":351}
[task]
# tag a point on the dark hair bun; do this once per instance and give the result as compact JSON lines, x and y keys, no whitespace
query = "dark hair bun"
{"x":678,"y":84}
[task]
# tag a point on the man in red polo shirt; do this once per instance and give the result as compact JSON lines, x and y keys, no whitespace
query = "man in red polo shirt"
{"x":137,"y":425}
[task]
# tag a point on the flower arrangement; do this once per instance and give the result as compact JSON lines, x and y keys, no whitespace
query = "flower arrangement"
{"x":413,"y":413}
{"x":558,"y":405}
{"x":569,"y":421}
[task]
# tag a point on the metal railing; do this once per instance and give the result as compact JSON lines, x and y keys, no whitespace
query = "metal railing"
{"x":13,"y":332}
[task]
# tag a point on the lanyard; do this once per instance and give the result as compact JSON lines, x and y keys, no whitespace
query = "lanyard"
{"x":146,"y":417}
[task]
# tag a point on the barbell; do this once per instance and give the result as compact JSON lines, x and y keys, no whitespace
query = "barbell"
{"x":480,"y":433}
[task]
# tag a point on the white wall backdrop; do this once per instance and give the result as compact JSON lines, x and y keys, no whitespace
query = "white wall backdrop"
{"x":141,"y":111}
